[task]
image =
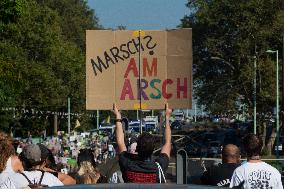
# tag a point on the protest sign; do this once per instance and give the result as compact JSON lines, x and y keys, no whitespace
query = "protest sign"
{"x":117,"y":60}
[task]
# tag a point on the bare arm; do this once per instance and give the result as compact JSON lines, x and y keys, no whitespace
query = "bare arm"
{"x":119,"y":131}
{"x":66,"y":179}
{"x":168,"y":134}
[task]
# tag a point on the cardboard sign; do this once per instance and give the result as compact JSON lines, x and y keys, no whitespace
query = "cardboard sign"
{"x":157,"y":71}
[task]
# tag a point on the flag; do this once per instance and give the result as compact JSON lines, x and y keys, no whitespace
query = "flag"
{"x":77,"y":125}
{"x":107,"y":120}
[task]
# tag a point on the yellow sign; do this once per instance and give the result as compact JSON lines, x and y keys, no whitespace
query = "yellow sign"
{"x":136,"y":33}
{"x":136,"y":106}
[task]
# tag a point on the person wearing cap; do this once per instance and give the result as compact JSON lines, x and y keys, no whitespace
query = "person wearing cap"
{"x":32,"y":161}
{"x":50,"y":166}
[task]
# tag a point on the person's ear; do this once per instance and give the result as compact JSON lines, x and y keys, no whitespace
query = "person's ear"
{"x":239,"y":158}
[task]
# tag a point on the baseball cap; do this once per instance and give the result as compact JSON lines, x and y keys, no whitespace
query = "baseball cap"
{"x":32,"y":152}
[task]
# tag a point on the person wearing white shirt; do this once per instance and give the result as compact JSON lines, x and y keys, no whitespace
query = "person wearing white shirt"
{"x":255,"y":173}
{"x":48,"y":179}
{"x":9,"y":161}
{"x":33,"y":174}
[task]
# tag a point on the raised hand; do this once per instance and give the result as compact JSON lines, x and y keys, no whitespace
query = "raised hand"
{"x":168,"y":111}
{"x":116,"y":112}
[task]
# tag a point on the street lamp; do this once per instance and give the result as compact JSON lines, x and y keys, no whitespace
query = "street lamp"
{"x":254,"y":95}
{"x":277,"y":102}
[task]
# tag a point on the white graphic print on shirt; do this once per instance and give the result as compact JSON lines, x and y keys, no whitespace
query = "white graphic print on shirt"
{"x":259,"y":179}
{"x":256,"y":176}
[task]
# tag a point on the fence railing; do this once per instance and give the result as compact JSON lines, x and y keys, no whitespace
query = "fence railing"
{"x":189,"y":170}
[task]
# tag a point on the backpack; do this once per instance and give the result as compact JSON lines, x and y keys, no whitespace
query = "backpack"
{"x":33,"y":184}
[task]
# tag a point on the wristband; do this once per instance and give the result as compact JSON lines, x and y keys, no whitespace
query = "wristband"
{"x":118,"y":120}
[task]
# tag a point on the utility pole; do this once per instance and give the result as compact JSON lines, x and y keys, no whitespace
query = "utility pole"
{"x":254,"y":95}
{"x":282,"y":107}
{"x":195,"y":113}
{"x":137,"y":114}
{"x":139,"y":86}
{"x":277,"y":100}
{"x":277,"y":104}
{"x":69,"y":116}
{"x":98,"y":118}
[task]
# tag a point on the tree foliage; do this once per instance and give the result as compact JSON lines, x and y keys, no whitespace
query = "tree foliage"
{"x":42,"y":59}
{"x":227,"y":35}
{"x":75,"y":16}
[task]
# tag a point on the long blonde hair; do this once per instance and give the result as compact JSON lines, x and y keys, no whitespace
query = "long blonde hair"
{"x":87,"y":173}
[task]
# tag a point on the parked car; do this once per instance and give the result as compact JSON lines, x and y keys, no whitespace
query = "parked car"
{"x":134,"y":126}
{"x":208,"y":137}
{"x":176,"y":125}
{"x":279,"y":147}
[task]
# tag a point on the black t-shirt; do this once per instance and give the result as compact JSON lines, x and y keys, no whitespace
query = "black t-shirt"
{"x":219,"y":175}
{"x":136,"y":170}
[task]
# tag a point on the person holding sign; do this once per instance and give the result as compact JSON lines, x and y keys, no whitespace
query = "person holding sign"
{"x":141,"y":167}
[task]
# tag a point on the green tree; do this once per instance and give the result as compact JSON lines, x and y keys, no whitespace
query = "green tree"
{"x":42,"y":61}
{"x":227,"y":35}
{"x":10,"y":10}
{"x":76,"y":17}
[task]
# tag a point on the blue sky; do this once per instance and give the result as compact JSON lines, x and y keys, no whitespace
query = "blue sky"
{"x":139,"y":14}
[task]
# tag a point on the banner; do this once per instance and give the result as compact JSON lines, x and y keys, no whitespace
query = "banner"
{"x":117,"y":60}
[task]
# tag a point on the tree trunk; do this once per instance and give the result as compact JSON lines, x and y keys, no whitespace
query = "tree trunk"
{"x":269,"y":144}
{"x":55,"y":126}
{"x":264,"y":135}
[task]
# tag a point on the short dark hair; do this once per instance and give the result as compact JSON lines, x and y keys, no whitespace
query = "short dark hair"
{"x":230,"y":152}
{"x":145,"y":145}
{"x":252,"y":145}
{"x":47,"y":156}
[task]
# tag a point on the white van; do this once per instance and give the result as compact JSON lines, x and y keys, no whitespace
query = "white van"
{"x":179,"y":116}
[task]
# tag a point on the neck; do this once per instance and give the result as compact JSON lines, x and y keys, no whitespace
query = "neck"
{"x":36,"y":167}
{"x":230,"y":161}
{"x":254,"y":159}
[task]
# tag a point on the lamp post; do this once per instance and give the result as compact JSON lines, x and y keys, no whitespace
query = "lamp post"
{"x":254,"y":95}
{"x":277,"y":102}
{"x":69,"y":117}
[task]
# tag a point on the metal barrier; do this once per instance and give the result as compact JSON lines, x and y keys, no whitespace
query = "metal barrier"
{"x":134,"y":186}
{"x":190,"y":171}
{"x":181,"y":167}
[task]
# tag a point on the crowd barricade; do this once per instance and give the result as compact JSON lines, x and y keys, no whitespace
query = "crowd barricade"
{"x":181,"y":167}
{"x":196,"y":166}
{"x":134,"y":186}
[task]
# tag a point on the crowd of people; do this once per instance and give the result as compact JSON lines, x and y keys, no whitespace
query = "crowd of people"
{"x":81,"y":159}
{"x":78,"y":159}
